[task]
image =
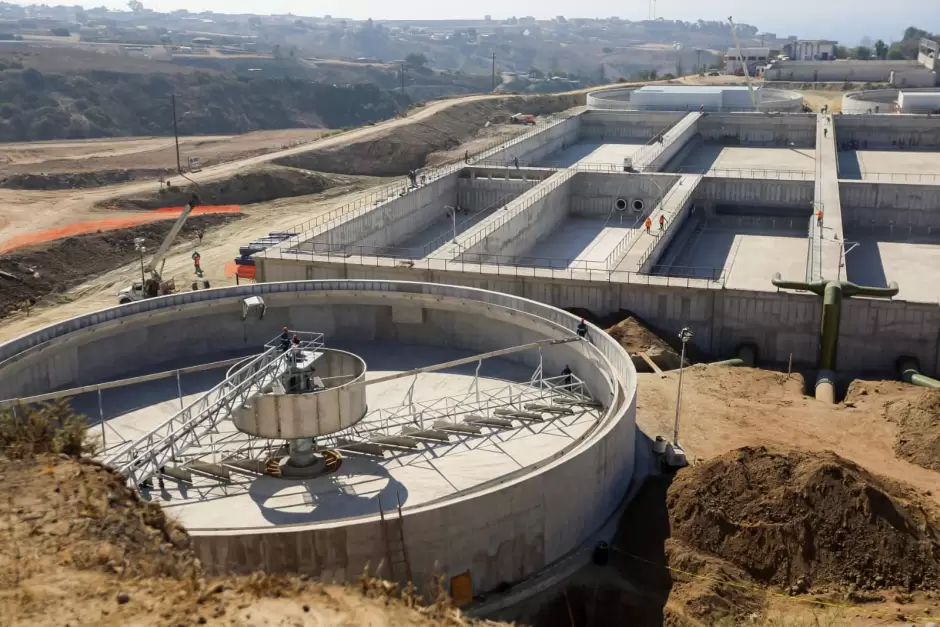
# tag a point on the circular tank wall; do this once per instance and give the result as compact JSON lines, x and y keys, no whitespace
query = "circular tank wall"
{"x":500,"y":531}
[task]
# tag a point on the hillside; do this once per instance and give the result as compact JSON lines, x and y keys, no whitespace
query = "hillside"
{"x":40,"y":101}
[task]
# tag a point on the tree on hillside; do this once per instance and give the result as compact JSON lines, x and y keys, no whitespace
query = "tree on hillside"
{"x":881,"y":49}
{"x":136,"y":6}
{"x":862,"y":53}
{"x":912,"y":32}
{"x":416,"y":60}
{"x":840,"y":52}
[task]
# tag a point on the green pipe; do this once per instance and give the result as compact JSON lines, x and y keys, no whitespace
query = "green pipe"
{"x":832,"y":293}
{"x":747,"y":355}
{"x":910,"y":373}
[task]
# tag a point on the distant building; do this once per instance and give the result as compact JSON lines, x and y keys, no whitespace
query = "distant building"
{"x":811,"y":50}
{"x":754,"y":57}
{"x":487,"y":18}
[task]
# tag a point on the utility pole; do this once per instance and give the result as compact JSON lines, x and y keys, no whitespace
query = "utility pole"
{"x":494,"y":71}
{"x":698,"y":61}
{"x":402,"y":77}
{"x":176,"y":136}
{"x":685,"y":335}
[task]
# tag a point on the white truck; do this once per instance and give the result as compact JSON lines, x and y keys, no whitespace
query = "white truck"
{"x":154,"y":285}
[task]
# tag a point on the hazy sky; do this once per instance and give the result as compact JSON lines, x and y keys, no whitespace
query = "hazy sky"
{"x":845,"y":20}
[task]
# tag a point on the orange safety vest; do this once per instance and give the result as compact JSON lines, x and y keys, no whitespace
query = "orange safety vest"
{"x":649,"y":223}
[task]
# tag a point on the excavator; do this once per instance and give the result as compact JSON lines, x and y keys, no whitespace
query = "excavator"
{"x":154,"y":285}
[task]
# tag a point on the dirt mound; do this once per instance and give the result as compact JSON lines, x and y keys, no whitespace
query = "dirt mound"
{"x":79,"y":547}
{"x":783,"y":516}
{"x":918,"y":421}
{"x":408,"y":147}
{"x":261,"y":185}
{"x":29,"y":274}
{"x":76,"y":180}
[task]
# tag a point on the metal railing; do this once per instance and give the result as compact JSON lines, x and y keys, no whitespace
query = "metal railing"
{"x":671,"y":222}
{"x":693,"y":272}
{"x":522,"y":203}
{"x":497,"y":267}
{"x":780,"y":175}
{"x":143,"y":458}
{"x":895,"y":177}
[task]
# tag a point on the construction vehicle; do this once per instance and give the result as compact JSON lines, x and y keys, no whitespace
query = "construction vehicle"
{"x":154,"y":285}
{"x":522,"y":118}
{"x":743,"y":61}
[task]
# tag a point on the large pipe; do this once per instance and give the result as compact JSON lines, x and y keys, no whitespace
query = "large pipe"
{"x":909,"y":369}
{"x":747,"y":356}
{"x":832,"y":293}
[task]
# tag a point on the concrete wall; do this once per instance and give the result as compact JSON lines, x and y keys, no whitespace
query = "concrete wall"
{"x":870,"y":102}
{"x":391,"y":222}
{"x":522,"y":231}
{"x":551,"y":139}
{"x":886,"y":204}
{"x":912,"y":74}
{"x":483,"y":193}
{"x":781,"y":129}
{"x":626,"y":125}
{"x":752,"y":193}
{"x":872,"y":336}
{"x":656,"y":157}
{"x":595,"y":194}
{"x":500,"y":532}
{"x":876,"y":131}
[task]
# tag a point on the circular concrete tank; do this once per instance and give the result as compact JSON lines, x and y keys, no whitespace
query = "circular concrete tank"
{"x":499,"y":502}
{"x":618,"y":98}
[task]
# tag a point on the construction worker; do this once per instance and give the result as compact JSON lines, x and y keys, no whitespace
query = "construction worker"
{"x":196,"y":259}
{"x":515,"y":162}
{"x":825,"y":132}
{"x":200,"y":235}
{"x":285,"y":340}
{"x":295,"y":348}
{"x":819,"y":218}
{"x":466,"y":156}
{"x":566,"y":373}
{"x":582,"y":328}
{"x":662,"y":222}
{"x":648,"y":224}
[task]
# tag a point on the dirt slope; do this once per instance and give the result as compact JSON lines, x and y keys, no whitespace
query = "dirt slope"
{"x":395,"y":153}
{"x":260,"y":184}
{"x":80,"y":548}
{"x":918,"y":421}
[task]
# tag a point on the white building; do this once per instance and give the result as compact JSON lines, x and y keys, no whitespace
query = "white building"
{"x":753,"y":56}
{"x":811,"y":50}
{"x":693,"y":98}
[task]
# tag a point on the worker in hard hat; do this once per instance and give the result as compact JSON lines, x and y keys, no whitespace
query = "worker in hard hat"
{"x":197,"y":258}
{"x":285,"y":340}
{"x":662,"y":222}
{"x":566,"y":373}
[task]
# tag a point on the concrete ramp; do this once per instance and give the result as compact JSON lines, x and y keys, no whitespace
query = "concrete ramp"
{"x":675,"y":208}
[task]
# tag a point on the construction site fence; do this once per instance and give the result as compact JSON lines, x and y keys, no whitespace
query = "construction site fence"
{"x":894,"y":177}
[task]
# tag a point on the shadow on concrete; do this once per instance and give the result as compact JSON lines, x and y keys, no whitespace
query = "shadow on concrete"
{"x":702,"y":159}
{"x":863,"y":264}
{"x":849,"y":166}
{"x":356,"y":489}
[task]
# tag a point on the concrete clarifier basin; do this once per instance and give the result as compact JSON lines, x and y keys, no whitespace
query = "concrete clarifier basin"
{"x":500,"y":531}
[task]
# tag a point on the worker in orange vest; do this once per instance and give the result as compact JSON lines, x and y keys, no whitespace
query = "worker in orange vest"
{"x":662,"y":222}
{"x":649,"y":223}
{"x":819,"y":217}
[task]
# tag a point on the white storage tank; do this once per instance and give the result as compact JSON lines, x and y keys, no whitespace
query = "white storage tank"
{"x":919,"y":101}
{"x":738,"y":98}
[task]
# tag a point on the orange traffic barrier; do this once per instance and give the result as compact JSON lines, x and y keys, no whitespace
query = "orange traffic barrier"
{"x":109,"y":224}
{"x":233,"y":269}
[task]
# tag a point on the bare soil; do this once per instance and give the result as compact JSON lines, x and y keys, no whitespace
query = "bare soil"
{"x":794,"y":518}
{"x":917,"y":417}
{"x":31,"y":274}
{"x":410,"y":147}
{"x":262,"y":184}
{"x":77,"y":547}
{"x":144,"y":157}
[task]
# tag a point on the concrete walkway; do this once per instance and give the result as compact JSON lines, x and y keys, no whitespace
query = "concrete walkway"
{"x":825,"y":244}
{"x":655,"y":156}
{"x":640,"y":250}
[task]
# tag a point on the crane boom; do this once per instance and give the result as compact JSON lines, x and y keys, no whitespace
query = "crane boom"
{"x":155,"y":267}
{"x":747,"y":77}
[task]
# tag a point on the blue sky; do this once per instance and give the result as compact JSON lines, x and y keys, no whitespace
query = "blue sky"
{"x":845,"y":20}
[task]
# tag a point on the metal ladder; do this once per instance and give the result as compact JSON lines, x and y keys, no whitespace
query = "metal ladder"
{"x":396,"y":553}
